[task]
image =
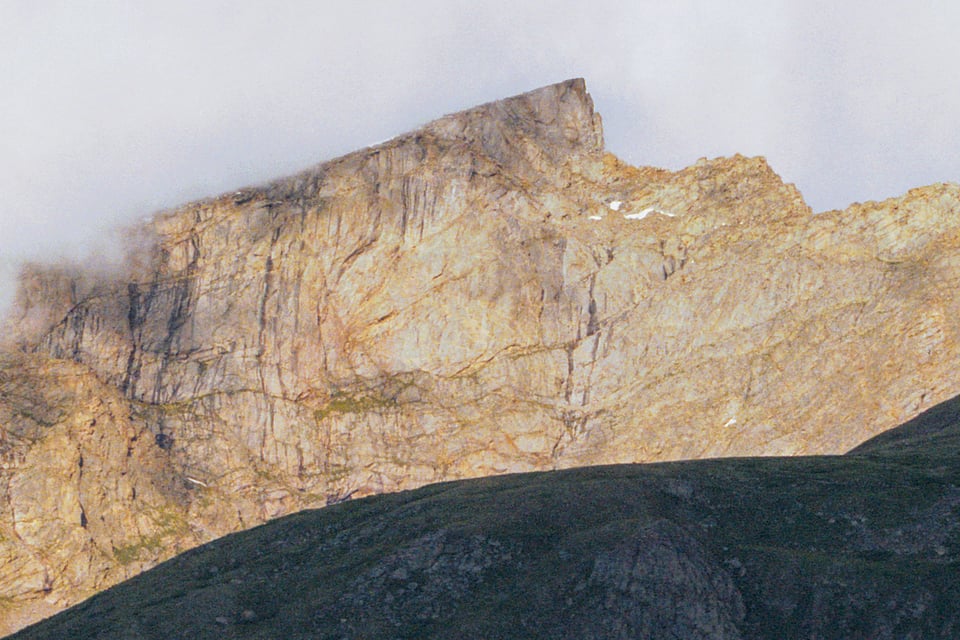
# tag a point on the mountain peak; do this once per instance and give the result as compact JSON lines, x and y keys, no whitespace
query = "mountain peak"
{"x":491,"y":293}
{"x":560,"y":116}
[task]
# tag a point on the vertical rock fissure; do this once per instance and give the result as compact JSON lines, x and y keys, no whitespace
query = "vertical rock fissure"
{"x":593,"y":325}
{"x":83,"y":512}
{"x":77,"y":324}
{"x":262,"y":310}
{"x":268,"y":274}
{"x":180,"y":309}
{"x":135,"y":325}
{"x":585,"y":400}
{"x":404,"y":206}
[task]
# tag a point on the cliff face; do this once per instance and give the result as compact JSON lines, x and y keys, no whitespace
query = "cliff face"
{"x":833,"y":548}
{"x":85,"y":501}
{"x":490,"y":293}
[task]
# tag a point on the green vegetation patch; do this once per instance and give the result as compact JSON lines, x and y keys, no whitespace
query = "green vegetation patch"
{"x":168,"y":523}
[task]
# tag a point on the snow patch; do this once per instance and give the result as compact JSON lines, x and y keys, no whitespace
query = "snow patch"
{"x":615,"y":205}
{"x":643,"y":214}
{"x":730,"y":422}
{"x":596,"y":217}
{"x":639,"y":216}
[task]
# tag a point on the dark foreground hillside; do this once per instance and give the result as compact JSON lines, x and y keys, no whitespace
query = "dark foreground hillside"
{"x":858,"y":546}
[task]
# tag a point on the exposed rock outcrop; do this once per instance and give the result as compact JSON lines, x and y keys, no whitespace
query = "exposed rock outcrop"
{"x":490,"y":293}
{"x":827,"y":547}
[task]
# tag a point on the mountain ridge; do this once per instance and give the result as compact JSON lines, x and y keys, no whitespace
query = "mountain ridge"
{"x":491,"y":293}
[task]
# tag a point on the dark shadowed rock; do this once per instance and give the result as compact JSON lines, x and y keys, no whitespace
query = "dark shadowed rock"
{"x":659,"y":583}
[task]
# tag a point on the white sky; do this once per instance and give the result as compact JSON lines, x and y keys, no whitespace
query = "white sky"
{"x":110,"y":111}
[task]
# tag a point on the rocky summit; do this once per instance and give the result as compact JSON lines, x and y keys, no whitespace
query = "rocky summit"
{"x":491,"y":293}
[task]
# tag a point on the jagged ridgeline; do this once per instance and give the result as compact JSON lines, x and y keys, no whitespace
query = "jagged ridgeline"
{"x":491,"y":293}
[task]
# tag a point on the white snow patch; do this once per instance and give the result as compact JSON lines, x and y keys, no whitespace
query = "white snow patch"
{"x":615,"y":205}
{"x":639,"y":216}
{"x":596,"y":217}
{"x":199,"y":482}
{"x":643,"y":214}
{"x":730,"y":422}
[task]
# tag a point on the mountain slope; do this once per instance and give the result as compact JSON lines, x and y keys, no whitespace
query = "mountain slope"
{"x":932,"y":433}
{"x":856,"y":546}
{"x":489,"y":294}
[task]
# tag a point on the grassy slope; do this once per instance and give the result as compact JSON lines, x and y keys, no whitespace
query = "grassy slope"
{"x":858,"y":546}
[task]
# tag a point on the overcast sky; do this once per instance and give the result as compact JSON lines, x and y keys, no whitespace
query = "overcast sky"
{"x":110,"y":111}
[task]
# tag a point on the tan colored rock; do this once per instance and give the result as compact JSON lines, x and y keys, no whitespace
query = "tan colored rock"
{"x":492,"y":293}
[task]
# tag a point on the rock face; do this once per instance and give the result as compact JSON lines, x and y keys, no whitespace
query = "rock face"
{"x":826,"y":547}
{"x":491,"y":293}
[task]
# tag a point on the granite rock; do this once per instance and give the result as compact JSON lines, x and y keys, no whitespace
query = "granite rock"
{"x":491,"y":293}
